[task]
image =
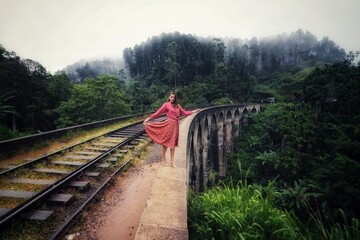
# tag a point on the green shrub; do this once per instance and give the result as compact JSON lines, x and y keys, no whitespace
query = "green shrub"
{"x":238,"y":213}
{"x":222,"y":101}
{"x":6,"y":133}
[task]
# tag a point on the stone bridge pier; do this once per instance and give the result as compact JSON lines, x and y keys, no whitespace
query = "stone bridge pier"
{"x":210,"y":137}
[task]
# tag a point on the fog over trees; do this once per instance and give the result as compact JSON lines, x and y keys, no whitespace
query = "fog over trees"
{"x":83,"y":69}
{"x":184,"y":57}
{"x":200,"y":56}
{"x":204,"y":71}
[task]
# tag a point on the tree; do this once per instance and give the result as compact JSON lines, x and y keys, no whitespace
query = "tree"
{"x":96,"y":99}
{"x":5,"y":109}
{"x":59,"y":88}
{"x":172,"y":67}
{"x":122,"y":78}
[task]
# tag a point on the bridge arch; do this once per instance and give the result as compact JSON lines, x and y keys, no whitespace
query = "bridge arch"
{"x":210,"y":137}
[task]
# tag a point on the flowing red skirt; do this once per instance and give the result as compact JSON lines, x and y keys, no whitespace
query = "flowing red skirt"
{"x":165,"y":133}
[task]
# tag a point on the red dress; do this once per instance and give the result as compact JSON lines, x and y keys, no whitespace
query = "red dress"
{"x":166,"y":133}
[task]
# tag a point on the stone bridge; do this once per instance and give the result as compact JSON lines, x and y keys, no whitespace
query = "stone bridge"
{"x":204,"y":140}
{"x":211,"y":135}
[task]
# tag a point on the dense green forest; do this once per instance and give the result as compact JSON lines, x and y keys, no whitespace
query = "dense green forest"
{"x":32,"y":100}
{"x":295,"y":167}
{"x":204,"y":71}
{"x":294,"y":170}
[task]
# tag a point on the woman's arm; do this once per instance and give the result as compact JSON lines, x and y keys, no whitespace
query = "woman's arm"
{"x":186,"y":113}
{"x":160,"y":111}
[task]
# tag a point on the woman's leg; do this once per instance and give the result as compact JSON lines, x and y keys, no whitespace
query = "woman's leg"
{"x":172,"y":153}
{"x":163,"y":160}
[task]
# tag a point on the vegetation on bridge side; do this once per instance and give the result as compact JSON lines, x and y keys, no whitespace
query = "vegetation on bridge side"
{"x":308,"y":148}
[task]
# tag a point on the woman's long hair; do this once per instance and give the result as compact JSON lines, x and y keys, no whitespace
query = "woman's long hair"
{"x":175,"y":103}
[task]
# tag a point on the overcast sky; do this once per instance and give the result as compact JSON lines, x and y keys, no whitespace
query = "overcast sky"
{"x":57,"y":33}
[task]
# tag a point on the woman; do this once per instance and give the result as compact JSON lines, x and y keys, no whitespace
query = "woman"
{"x":167,"y":133}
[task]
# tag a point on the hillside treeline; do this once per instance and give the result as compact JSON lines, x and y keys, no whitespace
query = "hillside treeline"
{"x":211,"y":68}
{"x":203,"y":71}
{"x":180,"y":59}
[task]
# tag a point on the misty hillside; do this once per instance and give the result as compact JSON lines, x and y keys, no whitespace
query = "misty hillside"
{"x":83,"y":69}
{"x":204,"y":70}
{"x":199,"y":56}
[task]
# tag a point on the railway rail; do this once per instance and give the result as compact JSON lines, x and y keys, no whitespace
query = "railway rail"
{"x":45,"y":194}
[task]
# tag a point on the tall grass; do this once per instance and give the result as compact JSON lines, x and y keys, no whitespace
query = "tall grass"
{"x":243,"y":211}
{"x":319,"y":228}
{"x":238,"y":212}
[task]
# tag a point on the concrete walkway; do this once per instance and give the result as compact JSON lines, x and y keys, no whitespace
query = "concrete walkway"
{"x":165,"y":215}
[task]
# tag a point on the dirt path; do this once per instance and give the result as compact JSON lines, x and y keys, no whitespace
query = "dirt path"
{"x":117,"y":214}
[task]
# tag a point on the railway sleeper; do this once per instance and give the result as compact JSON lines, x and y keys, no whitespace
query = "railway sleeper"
{"x":113,"y":159}
{"x":128,"y":131}
{"x":40,"y":215}
{"x":103,"y":144}
{"x":110,"y":140}
{"x":117,"y":139}
{"x":32,"y":181}
{"x":82,"y":157}
{"x":50,"y":170}
{"x":118,"y":155}
{"x":97,"y":149}
{"x":79,"y":157}
{"x":125,"y":133}
{"x":103,"y":165}
{"x":81,"y":185}
{"x":127,"y":136}
{"x":60,"y":198}
{"x":16,"y":194}
{"x":124,"y":137}
{"x":92,"y":174}
{"x":86,"y":153}
{"x":70,"y":163}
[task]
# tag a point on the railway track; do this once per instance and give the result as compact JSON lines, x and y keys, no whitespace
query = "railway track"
{"x":44,"y":195}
